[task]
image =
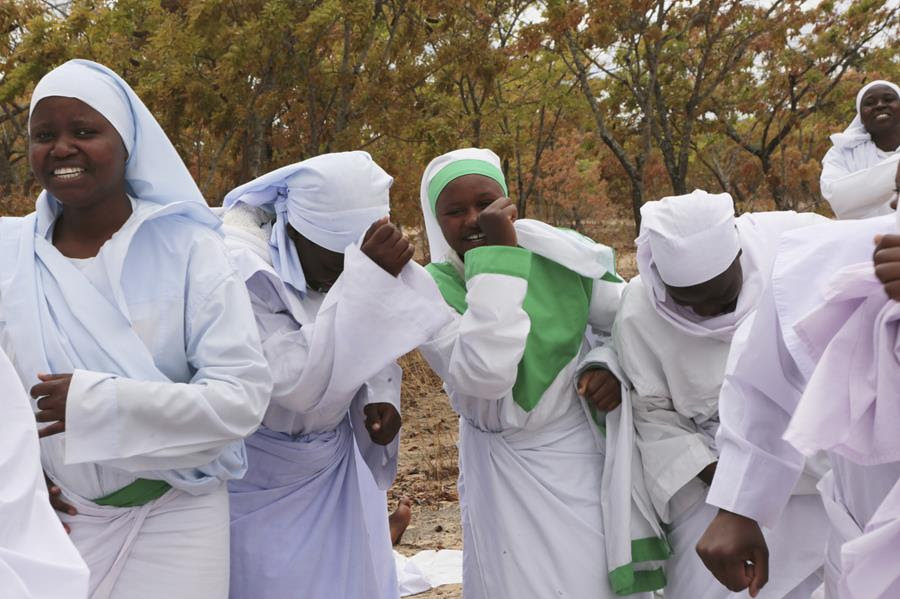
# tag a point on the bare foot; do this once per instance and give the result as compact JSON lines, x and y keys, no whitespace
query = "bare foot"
{"x":399,"y":520}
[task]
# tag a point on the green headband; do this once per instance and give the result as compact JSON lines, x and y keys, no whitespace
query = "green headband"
{"x":457,"y":169}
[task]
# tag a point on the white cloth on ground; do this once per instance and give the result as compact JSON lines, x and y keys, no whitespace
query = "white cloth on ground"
{"x":857,"y":176}
{"x":427,"y":569}
{"x":758,"y":470}
{"x":37,"y":560}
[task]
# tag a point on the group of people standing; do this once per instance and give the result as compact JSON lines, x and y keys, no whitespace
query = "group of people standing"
{"x":217,"y":391}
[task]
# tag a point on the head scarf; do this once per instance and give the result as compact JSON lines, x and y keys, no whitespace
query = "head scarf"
{"x":154,"y":171}
{"x":331,"y":200}
{"x":438,"y":174}
{"x":689,"y":239}
{"x":856,"y":133}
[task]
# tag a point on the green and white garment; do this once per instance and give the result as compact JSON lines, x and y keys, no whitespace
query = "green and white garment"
{"x":531,"y":456}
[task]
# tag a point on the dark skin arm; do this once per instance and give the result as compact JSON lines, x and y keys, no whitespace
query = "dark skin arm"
{"x":57,"y":502}
{"x":386,"y":246}
{"x":600,"y":388}
{"x":51,"y":394}
{"x":729,"y":543}
{"x":382,"y":421}
{"x":706,"y":475}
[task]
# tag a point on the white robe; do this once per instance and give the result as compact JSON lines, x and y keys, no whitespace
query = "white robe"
{"x":676,"y":362}
{"x":37,"y":560}
{"x":316,"y":483}
{"x":858,"y":181}
{"x":187,"y":381}
{"x":530,"y":481}
{"x":758,"y":470}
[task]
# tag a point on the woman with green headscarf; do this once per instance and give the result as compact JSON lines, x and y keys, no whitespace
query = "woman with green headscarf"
{"x":524,"y":295}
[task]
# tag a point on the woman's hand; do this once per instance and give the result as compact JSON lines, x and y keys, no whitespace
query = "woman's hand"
{"x":51,"y":393}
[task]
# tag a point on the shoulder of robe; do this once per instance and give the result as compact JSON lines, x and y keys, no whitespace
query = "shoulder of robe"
{"x":637,"y":317}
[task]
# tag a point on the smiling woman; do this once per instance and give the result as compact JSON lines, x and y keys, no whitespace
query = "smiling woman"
{"x":861,"y":172}
{"x":117,"y":307}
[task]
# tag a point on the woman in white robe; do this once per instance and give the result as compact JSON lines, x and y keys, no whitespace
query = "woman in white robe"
{"x":674,"y":355}
{"x":860,"y":172}
{"x":758,"y":469}
{"x":122,"y":314}
{"x":37,"y":560}
{"x":531,"y":458}
{"x":334,"y":312}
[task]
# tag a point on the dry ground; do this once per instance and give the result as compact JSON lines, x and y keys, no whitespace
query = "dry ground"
{"x":428,"y":457}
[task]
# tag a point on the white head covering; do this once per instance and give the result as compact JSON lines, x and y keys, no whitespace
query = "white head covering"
{"x":438,"y":174}
{"x":691,"y":238}
{"x":856,"y":133}
{"x":331,"y":200}
{"x":153,"y":171}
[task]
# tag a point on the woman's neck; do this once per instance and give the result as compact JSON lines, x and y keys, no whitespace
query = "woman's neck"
{"x":80,"y":232}
{"x":888,"y":141}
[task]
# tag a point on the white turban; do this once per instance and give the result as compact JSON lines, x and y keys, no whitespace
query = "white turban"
{"x":856,"y":133}
{"x":691,"y":238}
{"x":330,"y":199}
{"x":153,"y":171}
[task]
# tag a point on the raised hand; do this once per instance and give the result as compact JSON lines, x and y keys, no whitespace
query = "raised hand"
{"x":734,"y":550}
{"x":382,"y":421}
{"x":600,"y":388}
{"x":496,"y":222}
{"x":887,"y":264}
{"x":386,"y":246}
{"x":51,"y":393}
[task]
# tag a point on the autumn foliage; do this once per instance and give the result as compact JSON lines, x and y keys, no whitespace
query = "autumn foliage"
{"x":595,"y":106}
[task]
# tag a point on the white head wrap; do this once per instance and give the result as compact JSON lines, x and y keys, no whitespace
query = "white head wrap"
{"x":690,"y":238}
{"x":485,"y":162}
{"x":856,"y":133}
{"x":568,"y":248}
{"x":153,"y":171}
{"x":331,"y":200}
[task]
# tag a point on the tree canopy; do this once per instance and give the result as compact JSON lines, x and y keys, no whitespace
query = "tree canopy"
{"x":594,"y":106}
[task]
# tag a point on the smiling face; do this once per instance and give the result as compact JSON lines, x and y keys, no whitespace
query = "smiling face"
{"x":458,"y":206}
{"x":75,"y":153}
{"x":321,"y":266}
{"x":714,"y":297}
{"x":879,"y":110}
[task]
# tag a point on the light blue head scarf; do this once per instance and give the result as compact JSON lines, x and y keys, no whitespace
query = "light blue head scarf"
{"x":154,"y":171}
{"x":330,"y":199}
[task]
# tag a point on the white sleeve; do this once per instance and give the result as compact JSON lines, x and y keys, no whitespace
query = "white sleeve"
{"x":857,"y":194}
{"x":757,"y":469}
{"x":605,"y":299}
{"x":478,"y":353}
{"x":37,"y":560}
{"x":367,"y":321}
{"x":142,"y":425}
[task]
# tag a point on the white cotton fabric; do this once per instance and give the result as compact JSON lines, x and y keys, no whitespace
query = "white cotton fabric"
{"x":37,"y":560}
{"x":770,"y":374}
{"x":692,"y":238}
{"x":858,"y":177}
{"x":316,"y":480}
{"x":330,"y":199}
{"x":757,"y":237}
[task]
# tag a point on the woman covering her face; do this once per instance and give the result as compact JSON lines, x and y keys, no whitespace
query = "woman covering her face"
{"x":136,"y":338}
{"x":861,"y":171}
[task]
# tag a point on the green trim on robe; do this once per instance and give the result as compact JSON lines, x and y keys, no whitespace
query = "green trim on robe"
{"x":557,"y":303}
{"x":626,"y":580}
{"x":140,"y":492}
